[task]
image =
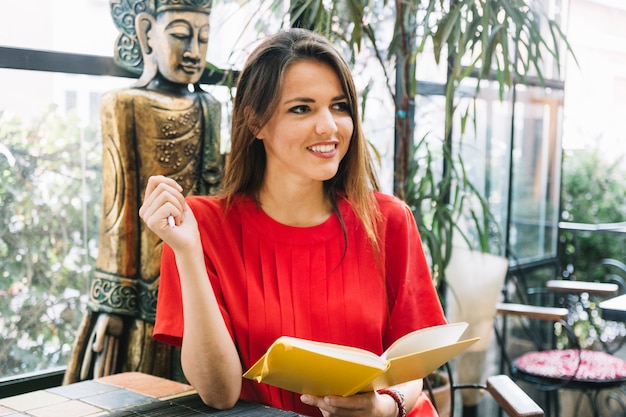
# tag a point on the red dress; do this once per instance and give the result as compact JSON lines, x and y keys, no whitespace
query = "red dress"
{"x":271,"y":280}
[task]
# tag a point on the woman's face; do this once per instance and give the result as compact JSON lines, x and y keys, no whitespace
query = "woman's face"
{"x":180,"y":40}
{"x":310,"y":130}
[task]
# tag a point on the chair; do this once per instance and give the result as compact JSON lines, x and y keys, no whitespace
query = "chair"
{"x":558,"y":360}
{"x":505,"y":392}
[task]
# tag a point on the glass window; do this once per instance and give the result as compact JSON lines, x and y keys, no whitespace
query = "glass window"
{"x":50,"y":159}
{"x":86,"y":27}
{"x":535,"y":160}
{"x":536,"y":173}
{"x":75,"y":26}
{"x":486,"y":150}
{"x":50,"y":189}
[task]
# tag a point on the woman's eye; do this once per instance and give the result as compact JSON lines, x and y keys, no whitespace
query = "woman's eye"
{"x":299,"y":109}
{"x":341,"y":106}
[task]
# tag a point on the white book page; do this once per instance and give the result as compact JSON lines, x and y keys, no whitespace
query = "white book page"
{"x":425,"y":339}
{"x":346,"y":353}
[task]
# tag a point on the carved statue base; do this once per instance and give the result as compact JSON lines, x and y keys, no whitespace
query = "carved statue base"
{"x":98,"y":351}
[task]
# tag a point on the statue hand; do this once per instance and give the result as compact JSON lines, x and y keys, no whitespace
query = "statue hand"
{"x":103,"y":346}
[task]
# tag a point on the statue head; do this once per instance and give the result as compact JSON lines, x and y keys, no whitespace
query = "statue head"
{"x":162,"y":38}
{"x":203,"y":6}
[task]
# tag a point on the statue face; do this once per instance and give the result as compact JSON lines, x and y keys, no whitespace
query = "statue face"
{"x":179,"y":42}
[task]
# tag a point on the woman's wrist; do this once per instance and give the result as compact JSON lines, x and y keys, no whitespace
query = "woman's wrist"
{"x":398,"y":398}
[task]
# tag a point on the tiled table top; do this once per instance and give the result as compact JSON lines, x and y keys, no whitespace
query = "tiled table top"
{"x":126,"y":394}
{"x":94,"y":397}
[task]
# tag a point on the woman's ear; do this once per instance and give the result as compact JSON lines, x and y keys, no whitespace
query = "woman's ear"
{"x":144,"y":23}
{"x":253,"y":123}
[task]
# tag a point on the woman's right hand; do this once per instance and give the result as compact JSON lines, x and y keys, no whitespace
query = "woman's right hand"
{"x":164,"y":198}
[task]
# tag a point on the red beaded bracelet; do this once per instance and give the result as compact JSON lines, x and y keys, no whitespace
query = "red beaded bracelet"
{"x":398,"y":397}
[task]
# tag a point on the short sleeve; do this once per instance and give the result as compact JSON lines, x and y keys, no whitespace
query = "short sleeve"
{"x":413,"y":299}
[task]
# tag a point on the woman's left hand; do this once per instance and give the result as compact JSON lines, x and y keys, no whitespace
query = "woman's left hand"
{"x":370,"y":404}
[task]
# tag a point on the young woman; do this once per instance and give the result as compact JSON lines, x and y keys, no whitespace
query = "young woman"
{"x":300,"y":242}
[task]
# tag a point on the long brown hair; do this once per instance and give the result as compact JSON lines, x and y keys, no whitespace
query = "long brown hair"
{"x":258,"y":91}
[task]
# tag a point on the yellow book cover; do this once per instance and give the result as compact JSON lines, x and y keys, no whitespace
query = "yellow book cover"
{"x":317,"y":368}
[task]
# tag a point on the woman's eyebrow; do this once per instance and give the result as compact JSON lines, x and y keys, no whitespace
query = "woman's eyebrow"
{"x":300,"y":100}
{"x":310,"y":100}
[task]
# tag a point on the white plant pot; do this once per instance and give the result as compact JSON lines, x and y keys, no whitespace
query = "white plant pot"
{"x":475,"y":281}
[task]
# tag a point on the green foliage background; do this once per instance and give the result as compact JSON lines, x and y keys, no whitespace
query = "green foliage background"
{"x":50,"y":185}
{"x":593,"y":192}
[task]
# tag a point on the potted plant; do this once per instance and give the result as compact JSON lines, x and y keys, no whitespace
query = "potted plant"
{"x":439,"y":392}
{"x":453,"y":217}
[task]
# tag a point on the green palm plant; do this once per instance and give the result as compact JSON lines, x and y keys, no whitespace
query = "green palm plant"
{"x":501,"y":41}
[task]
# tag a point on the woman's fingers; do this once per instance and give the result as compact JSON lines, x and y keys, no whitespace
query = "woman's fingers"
{"x":156,"y":214}
{"x":156,"y":180}
{"x":163,"y":201}
{"x":160,"y":184}
{"x":163,"y":198}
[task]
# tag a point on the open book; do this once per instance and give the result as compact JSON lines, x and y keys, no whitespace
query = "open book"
{"x":317,"y":368}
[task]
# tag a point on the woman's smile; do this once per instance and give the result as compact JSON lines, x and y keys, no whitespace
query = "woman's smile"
{"x":327,"y":150}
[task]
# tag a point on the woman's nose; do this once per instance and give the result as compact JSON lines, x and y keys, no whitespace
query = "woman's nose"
{"x":326,"y":124}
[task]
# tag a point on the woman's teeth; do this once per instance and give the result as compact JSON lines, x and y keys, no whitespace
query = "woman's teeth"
{"x":322,"y":148}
